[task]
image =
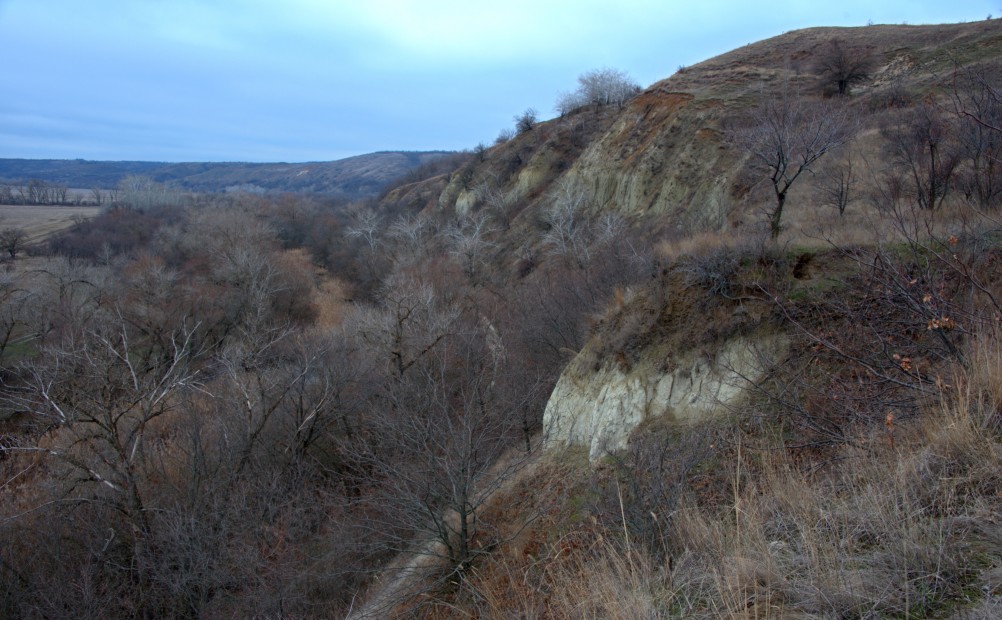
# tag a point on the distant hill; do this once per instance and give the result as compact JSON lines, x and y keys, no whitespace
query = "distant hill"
{"x":353,"y":177}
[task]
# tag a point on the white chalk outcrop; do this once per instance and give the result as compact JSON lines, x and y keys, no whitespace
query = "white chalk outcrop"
{"x":601,"y":408}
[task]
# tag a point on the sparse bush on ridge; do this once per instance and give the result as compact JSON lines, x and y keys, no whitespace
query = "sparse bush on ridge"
{"x":526,"y":120}
{"x":598,"y":87}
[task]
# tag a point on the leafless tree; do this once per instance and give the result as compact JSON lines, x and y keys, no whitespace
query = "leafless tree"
{"x":504,"y":136}
{"x":367,"y":225}
{"x":411,"y":237}
{"x":66,"y":297}
{"x":844,"y":65}
{"x":14,"y":307}
{"x":569,"y":102}
{"x":12,"y":240}
{"x":598,"y":87}
{"x":786,"y":135}
{"x":470,"y":242}
{"x":410,"y":322}
{"x":978,"y":106}
{"x":101,"y":394}
{"x":923,"y":147}
{"x":244,"y":267}
{"x":574,"y":233}
{"x":567,"y":219}
{"x":480,"y":152}
{"x":38,"y":192}
{"x":526,"y":121}
{"x":281,"y":395}
{"x":606,"y":87}
{"x":143,"y":193}
{"x":501,"y":204}
{"x":453,"y":447}
{"x":838,"y":184}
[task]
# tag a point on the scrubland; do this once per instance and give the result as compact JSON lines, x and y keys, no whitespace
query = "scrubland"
{"x":285,"y":406}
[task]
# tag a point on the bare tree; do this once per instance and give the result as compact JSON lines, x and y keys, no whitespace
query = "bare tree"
{"x":526,"y":120}
{"x":280,"y":395}
{"x":569,"y":102}
{"x":844,"y":65}
{"x":59,"y":194}
{"x":838,"y":184}
{"x":101,"y":395}
{"x":14,"y":305}
{"x":411,"y":237}
{"x":574,"y":234}
{"x":606,"y":87}
{"x":924,"y":148}
{"x":143,"y":193}
{"x":504,"y":135}
{"x":978,"y":106}
{"x":367,"y":225}
{"x":12,"y":240}
{"x":38,"y":192}
{"x":411,"y":322}
{"x":501,"y":204}
{"x":598,"y":87}
{"x":452,"y":448}
{"x":480,"y":152}
{"x":470,"y":243}
{"x":786,"y":136}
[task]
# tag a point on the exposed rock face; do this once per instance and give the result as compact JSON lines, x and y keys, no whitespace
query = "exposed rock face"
{"x":600,"y":409}
{"x":654,"y":161}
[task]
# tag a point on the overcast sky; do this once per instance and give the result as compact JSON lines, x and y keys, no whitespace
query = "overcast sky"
{"x":309,"y":80}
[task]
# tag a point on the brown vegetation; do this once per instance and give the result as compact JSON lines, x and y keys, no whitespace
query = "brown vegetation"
{"x":283,"y":406}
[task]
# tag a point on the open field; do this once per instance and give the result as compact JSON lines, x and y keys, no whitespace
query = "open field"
{"x":42,"y":221}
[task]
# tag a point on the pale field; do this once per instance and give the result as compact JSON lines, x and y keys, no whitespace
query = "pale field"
{"x":41,"y":221}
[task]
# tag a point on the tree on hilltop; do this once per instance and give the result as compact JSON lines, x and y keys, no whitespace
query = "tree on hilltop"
{"x":598,"y":87}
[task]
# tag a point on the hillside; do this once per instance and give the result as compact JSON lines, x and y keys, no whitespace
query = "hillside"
{"x":665,"y":158}
{"x":639,"y":361}
{"x":764,"y":415}
{"x":351,"y":178}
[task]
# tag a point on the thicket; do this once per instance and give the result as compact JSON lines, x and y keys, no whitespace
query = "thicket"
{"x":194,"y":424}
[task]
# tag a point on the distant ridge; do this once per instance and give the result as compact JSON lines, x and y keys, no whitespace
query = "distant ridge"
{"x":352,"y":178}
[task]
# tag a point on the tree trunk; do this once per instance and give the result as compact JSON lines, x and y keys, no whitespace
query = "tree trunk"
{"x":776,"y":217}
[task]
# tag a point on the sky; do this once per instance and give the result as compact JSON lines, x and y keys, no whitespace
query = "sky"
{"x":319,"y":80}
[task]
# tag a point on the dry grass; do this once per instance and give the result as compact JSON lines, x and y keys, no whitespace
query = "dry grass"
{"x":703,"y":243}
{"x":905,"y":524}
{"x":42,"y":221}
